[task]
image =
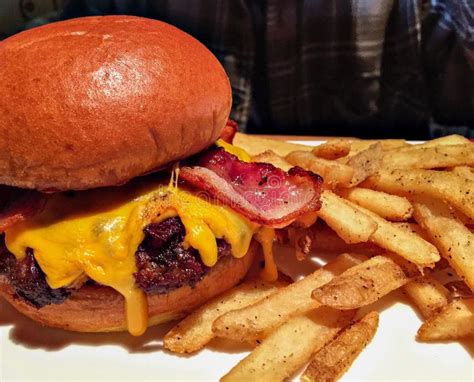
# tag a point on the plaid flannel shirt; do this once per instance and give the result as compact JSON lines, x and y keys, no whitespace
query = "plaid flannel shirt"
{"x":362,"y":67}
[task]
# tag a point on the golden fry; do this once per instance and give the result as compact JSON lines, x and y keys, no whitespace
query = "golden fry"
{"x":344,"y":217}
{"x":254,"y":321}
{"x":362,"y":284}
{"x":428,"y":294}
{"x":429,"y":157}
{"x":334,"y":359}
{"x":413,"y":228}
{"x":326,"y":240}
{"x":456,"y":320}
{"x":437,"y":184}
{"x":254,"y":145}
{"x":333,"y":149}
{"x":359,"y":145}
{"x":447,"y":140}
{"x":387,"y":206}
{"x":464,"y":171}
{"x":270,"y":156}
{"x":453,"y":239}
{"x":404,"y":243}
{"x":366,"y":163}
{"x":333,"y":173}
{"x":195,"y":331}
{"x":282,"y":353}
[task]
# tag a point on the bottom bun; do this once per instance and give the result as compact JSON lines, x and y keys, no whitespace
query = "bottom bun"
{"x":95,"y":308}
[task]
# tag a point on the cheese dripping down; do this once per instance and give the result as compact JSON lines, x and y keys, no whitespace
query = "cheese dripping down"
{"x":96,"y":234}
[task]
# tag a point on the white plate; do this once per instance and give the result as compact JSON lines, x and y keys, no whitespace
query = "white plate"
{"x":29,"y":352}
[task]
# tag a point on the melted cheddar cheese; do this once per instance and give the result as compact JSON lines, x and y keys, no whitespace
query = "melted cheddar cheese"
{"x":235,"y":150}
{"x":96,"y":234}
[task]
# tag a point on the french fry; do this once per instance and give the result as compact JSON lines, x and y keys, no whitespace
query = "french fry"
{"x":445,"y":274}
{"x":326,"y":240}
{"x":255,"y":321}
{"x":352,"y":225}
{"x":254,"y":145}
{"x":413,"y":228}
{"x":362,"y":284}
{"x":447,"y":140}
{"x":456,"y":320}
{"x":195,"y":331}
{"x":410,"y":269}
{"x":404,"y":243}
{"x":437,"y":184}
{"x":281,"y":354}
{"x":387,"y":206}
{"x":270,"y":156}
{"x":333,"y":173}
{"x":359,"y":145}
{"x":428,"y":294}
{"x":429,"y":157}
{"x":464,"y":171}
{"x":334,"y":359}
{"x":365,"y":163}
{"x":453,"y":239}
{"x":333,"y":149}
{"x":459,"y":289}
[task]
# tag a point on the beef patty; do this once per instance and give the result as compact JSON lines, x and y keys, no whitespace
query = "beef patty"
{"x":163,"y":264}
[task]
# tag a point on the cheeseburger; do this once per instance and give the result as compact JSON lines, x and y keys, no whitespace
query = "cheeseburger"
{"x":123,"y":201}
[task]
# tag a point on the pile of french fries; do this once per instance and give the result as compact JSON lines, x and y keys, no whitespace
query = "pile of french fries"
{"x":393,"y":215}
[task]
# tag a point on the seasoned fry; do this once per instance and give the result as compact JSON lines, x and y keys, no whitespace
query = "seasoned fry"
{"x":365,"y":163}
{"x":459,"y":289}
{"x":270,"y":156}
{"x":464,"y":171}
{"x":290,"y":346}
{"x":437,"y":184}
{"x":334,"y":359}
{"x":445,"y":274}
{"x":195,"y":331}
{"x":254,"y":145}
{"x":447,"y":140}
{"x":333,"y":149}
{"x":391,"y":208}
{"x":344,"y":217}
{"x":387,"y":206}
{"x":254,"y":321}
{"x":413,"y":228}
{"x":326,"y":240}
{"x":362,"y":284}
{"x":406,"y":244}
{"x":454,"y":240}
{"x":429,"y":157}
{"x":359,"y":145}
{"x":333,"y":173}
{"x":428,"y":294}
{"x":410,"y":269}
{"x":456,"y":320}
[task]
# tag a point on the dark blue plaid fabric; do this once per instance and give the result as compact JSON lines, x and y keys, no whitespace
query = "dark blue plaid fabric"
{"x":363,"y":67}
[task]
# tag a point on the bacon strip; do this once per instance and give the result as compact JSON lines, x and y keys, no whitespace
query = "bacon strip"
{"x":18,"y":206}
{"x":263,"y":193}
{"x":228,"y":133}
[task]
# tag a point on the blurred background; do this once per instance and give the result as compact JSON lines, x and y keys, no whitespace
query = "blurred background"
{"x":365,"y":68}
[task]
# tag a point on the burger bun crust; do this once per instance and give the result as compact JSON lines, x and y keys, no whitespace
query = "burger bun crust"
{"x":96,"y":101}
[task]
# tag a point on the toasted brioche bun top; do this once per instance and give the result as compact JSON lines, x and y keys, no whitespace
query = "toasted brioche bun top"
{"x":96,"y":101}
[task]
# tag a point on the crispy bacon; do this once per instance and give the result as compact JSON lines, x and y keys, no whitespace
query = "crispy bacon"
{"x":260,"y":191}
{"x":19,"y":205}
{"x":228,"y":133}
